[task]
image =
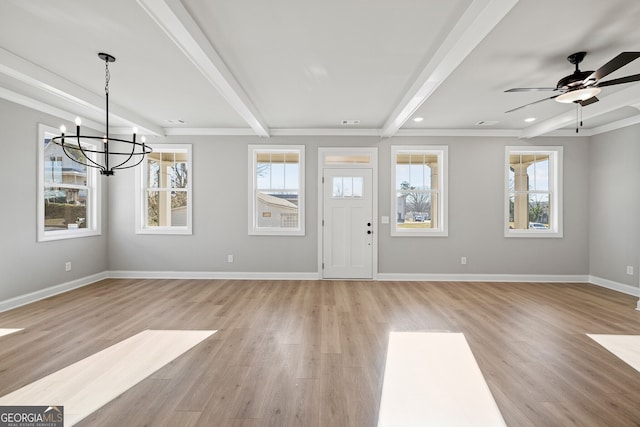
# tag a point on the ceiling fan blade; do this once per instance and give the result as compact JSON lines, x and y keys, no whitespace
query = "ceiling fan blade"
{"x":531,"y":103}
{"x":530,"y":89}
{"x":588,"y":101}
{"x":627,"y":79}
{"x":618,"y":62}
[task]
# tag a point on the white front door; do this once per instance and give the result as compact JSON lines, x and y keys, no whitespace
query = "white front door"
{"x":347,"y":230}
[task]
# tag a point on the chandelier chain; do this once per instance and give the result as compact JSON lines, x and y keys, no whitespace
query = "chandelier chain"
{"x":107,"y":77}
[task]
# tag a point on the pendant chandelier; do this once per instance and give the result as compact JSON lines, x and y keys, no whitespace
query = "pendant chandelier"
{"x":115,"y":153}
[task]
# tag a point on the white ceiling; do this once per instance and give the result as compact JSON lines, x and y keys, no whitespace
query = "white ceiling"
{"x":295,"y":67}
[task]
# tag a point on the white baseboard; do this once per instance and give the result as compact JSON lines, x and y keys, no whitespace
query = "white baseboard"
{"x":620,"y":287}
{"x":210,"y":275}
{"x":546,"y":278}
{"x":50,"y":291}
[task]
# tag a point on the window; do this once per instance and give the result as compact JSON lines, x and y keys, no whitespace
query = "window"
{"x":347,"y":187}
{"x":419,"y":190}
{"x":276,"y":189}
{"x":533,"y":202}
{"x":164,"y":191}
{"x":68,"y":192}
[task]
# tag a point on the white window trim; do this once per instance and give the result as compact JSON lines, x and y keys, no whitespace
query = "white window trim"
{"x":140,"y":194}
{"x":253,"y":230}
{"x":93,"y":204}
{"x":442,"y":151}
{"x":555,"y":186}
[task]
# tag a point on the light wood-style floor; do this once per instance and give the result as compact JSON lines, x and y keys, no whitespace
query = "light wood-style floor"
{"x":312,"y":353}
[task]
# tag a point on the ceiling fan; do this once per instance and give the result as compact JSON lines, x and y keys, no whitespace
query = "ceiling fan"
{"x":582,"y":87}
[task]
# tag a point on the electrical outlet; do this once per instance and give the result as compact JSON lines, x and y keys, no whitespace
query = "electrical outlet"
{"x":630,"y":270}
{"x":229,"y":258}
{"x":463,"y":260}
{"x":67,"y":266}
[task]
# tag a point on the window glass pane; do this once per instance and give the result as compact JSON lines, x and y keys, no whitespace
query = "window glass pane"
{"x":335,"y":159}
{"x":59,"y":169}
{"x":358,"y":184}
{"x":263,"y":175}
{"x":347,"y":189}
{"x":153,"y":175}
{"x":64,"y":208}
{"x":402,"y":176}
{"x":277,"y":176}
{"x":153,"y":202}
{"x":338,"y":190}
{"x":291,"y":171}
{"x":538,"y":173}
{"x":539,"y":209}
{"x":179,"y":208}
{"x":270,"y":209}
{"x":181,"y":175}
{"x":416,"y":176}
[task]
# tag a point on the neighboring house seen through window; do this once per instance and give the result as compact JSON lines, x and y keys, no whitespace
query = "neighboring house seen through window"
{"x":276,"y":183}
{"x":68,"y":192}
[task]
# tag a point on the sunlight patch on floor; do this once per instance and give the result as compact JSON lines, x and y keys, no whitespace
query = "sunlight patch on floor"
{"x":625,"y":347}
{"x":432,"y":378}
{"x":7,"y":331}
{"x":89,"y":384}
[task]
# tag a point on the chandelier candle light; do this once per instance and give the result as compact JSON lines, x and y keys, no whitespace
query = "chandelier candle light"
{"x":127,"y":158}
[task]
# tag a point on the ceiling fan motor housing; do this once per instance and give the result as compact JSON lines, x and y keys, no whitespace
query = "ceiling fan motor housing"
{"x":574,"y":80}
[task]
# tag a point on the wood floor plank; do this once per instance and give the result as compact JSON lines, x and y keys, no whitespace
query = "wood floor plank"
{"x":312,"y":353}
{"x":88,"y":384}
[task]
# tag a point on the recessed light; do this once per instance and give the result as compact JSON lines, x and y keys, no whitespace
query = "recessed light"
{"x":350,"y":122}
{"x":418,"y":119}
{"x":530,"y":119}
{"x":176,"y":121}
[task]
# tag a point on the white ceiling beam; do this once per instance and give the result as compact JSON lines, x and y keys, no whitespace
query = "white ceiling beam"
{"x":34,"y":104}
{"x":172,"y":17}
{"x":476,"y":22}
{"x":39,"y":78}
{"x":628,"y":97}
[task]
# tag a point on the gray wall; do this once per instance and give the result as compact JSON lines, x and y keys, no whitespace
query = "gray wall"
{"x":25,"y":265}
{"x":615,"y":205}
{"x":475,"y":214}
{"x":601,"y":201}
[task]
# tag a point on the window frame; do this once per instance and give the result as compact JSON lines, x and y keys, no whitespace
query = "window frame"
{"x":141,"y":190}
{"x":442,"y":152}
{"x":93,"y":203}
{"x":555,"y":188}
{"x":253,"y":229}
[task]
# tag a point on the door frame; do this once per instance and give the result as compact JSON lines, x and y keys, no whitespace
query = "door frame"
{"x":325,"y":161}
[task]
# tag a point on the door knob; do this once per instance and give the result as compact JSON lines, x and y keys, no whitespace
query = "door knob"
{"x":368,"y":224}
{"x":369,"y":231}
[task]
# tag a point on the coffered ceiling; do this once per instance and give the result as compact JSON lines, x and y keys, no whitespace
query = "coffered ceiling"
{"x":300,"y":67}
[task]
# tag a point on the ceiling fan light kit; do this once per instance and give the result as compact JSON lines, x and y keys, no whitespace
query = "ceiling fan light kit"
{"x":578,"y":95}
